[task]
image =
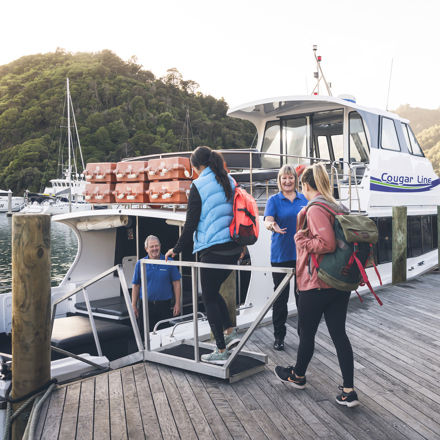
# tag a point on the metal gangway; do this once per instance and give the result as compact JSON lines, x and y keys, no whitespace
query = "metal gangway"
{"x":241,"y":363}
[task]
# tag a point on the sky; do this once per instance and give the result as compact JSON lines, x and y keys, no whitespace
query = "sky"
{"x":246,"y":50}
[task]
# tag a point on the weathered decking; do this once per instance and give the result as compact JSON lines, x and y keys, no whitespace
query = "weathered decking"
{"x":397,"y":377}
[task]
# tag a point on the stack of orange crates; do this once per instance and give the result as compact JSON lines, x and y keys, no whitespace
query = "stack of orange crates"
{"x":170,"y":180}
{"x":133,"y":185}
{"x":102,"y":182}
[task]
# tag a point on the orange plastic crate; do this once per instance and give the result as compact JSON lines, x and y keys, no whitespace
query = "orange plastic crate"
{"x":173,"y":191}
{"x":100,"y":193}
{"x":132,"y":192}
{"x":171,"y":168}
{"x":131,"y":171}
{"x":100,"y":172}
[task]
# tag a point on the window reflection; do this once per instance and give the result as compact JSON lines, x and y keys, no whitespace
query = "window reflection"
{"x":359,"y":151}
{"x":389,"y":135}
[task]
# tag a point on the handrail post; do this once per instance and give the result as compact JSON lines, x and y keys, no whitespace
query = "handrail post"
{"x":146,"y":317}
{"x":195,"y":313}
{"x":31,"y":321}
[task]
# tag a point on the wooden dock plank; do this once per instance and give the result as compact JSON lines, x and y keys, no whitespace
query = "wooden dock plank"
{"x":70,"y":412}
{"x":101,"y":428}
{"x":195,"y":412}
{"x":42,"y":418}
{"x":180,"y":413}
{"x":118,"y":422}
{"x":245,"y":417}
{"x":148,"y":411}
{"x":131,"y":402}
{"x":163,"y":409}
{"x":315,"y":395}
{"x":54,"y":415}
{"x":214,"y":419}
{"x":263,"y":420}
{"x":224,"y":409}
{"x":84,"y":430}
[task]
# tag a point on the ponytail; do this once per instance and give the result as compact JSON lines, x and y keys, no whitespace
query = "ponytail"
{"x":214,"y":160}
{"x":316,"y":176}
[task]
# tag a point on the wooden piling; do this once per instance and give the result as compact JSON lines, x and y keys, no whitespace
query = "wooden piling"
{"x":400,"y":237}
{"x":31,"y":302}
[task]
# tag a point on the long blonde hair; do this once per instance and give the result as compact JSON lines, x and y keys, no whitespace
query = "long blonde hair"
{"x":316,"y":176}
{"x":290,"y":171}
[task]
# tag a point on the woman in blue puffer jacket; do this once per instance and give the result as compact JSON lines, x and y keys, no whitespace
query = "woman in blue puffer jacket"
{"x":208,"y":218}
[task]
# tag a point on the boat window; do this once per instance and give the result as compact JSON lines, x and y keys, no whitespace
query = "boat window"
{"x":415,"y":147}
{"x":415,"y":229}
{"x":359,"y":150}
{"x":324,"y":152}
{"x":338,"y":146}
{"x":434,"y":232}
{"x":408,"y":143}
{"x":384,"y":245}
{"x":295,"y":139}
{"x":271,"y":144}
{"x":389,"y":135}
{"x":426,"y":233}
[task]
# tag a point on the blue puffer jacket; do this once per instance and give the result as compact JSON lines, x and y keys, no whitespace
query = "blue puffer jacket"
{"x":216,"y":215}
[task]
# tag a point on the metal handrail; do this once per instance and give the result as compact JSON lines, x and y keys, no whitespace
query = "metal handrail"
{"x":197,"y":265}
{"x":82,"y":288}
{"x":179,"y":323}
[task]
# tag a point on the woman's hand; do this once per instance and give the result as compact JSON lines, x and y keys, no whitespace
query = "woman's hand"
{"x":170,"y":253}
{"x":277,"y":229}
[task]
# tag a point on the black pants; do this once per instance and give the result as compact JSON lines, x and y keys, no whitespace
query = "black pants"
{"x":215,"y":306}
{"x":157,"y":311}
{"x":333,"y":305}
{"x":279,"y":312}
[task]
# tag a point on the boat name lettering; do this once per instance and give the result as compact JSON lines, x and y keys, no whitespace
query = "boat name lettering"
{"x":400,"y":180}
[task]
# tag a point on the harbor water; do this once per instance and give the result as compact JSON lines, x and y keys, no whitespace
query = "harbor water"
{"x":64,"y":246}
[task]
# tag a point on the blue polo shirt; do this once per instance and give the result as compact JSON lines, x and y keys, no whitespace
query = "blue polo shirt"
{"x":159,"y":279}
{"x":284,"y":212}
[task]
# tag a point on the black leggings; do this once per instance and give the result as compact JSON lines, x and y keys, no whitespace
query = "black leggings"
{"x":215,"y":306}
{"x":279,"y":311}
{"x":333,"y":305}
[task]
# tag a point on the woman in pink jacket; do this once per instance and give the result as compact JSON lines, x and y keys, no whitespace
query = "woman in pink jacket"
{"x":316,"y":298}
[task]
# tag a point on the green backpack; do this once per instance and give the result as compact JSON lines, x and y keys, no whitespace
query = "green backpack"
{"x":344,"y":269}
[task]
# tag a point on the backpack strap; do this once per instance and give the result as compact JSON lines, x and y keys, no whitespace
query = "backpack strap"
{"x":367,"y":282}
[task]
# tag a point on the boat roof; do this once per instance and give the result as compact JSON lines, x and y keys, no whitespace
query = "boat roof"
{"x":272,"y":107}
{"x":166,"y":214}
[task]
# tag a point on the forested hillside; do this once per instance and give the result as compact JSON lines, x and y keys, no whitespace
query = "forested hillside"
{"x":426,"y":126}
{"x":121,"y":111}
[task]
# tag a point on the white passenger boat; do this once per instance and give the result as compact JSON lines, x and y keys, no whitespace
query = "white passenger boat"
{"x":17,"y":202}
{"x":375,"y":161}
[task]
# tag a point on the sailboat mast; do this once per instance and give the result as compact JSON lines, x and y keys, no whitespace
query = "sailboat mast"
{"x":68,"y":146}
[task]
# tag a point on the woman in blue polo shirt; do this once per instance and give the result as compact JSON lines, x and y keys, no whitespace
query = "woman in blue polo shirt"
{"x":280,"y":218}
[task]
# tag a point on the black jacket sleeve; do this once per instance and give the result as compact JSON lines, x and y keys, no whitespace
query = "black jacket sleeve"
{"x":193,"y":213}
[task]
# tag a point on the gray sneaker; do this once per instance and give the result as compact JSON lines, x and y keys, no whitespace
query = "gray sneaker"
{"x":216,"y":357}
{"x":232,"y":339}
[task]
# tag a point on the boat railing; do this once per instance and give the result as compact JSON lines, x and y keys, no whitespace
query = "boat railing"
{"x":83,"y":288}
{"x":342,"y":174}
{"x":339,"y":178}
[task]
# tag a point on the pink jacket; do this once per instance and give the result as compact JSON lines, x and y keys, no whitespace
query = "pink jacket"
{"x":319,"y":239}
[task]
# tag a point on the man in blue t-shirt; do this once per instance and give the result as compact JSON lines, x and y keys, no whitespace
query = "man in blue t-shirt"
{"x":162,"y":281}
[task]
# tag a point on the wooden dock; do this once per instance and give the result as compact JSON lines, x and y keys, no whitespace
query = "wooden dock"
{"x":397,"y":378}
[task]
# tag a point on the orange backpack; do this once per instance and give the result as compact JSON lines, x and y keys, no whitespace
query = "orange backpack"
{"x":244,"y":228}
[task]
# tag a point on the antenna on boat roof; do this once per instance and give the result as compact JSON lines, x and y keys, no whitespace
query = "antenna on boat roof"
{"x":319,"y":74}
{"x":389,"y":83}
{"x":189,"y":136}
